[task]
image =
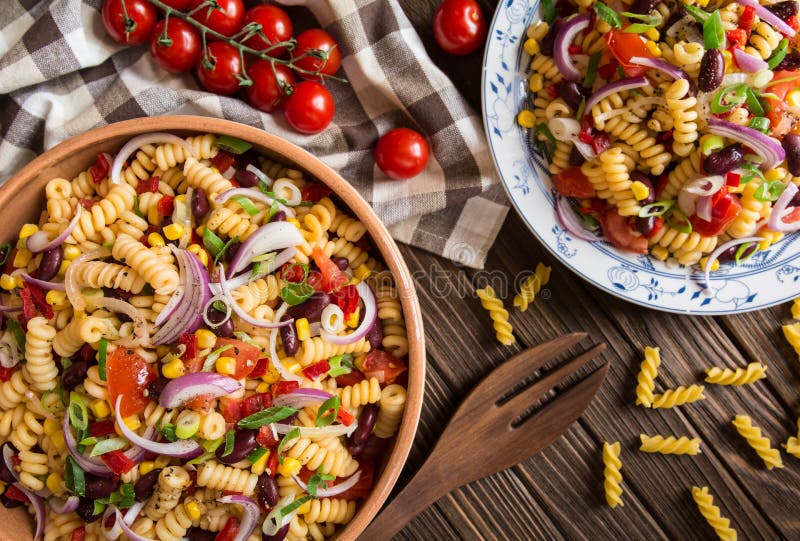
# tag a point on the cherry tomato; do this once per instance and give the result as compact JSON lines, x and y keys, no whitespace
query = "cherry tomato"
{"x":272,"y":84}
{"x":129,"y":21}
{"x":180,"y":49}
{"x":275,"y":25}
{"x":310,"y":108}
{"x":179,"y":5}
{"x":266,"y":438}
{"x":227,"y":19}
{"x":316,"y":39}
{"x":246,"y":356}
{"x":459,"y":26}
{"x":401,"y":153}
{"x":724,"y":210}
{"x":226,"y":67}
{"x":625,"y":46}
{"x":571,"y":182}
{"x":78,"y":534}
{"x":382,"y":365}
{"x":619,"y":233}
{"x":128,"y":375}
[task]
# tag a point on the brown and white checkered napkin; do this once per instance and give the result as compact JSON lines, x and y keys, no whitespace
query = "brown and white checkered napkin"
{"x":60,"y":75}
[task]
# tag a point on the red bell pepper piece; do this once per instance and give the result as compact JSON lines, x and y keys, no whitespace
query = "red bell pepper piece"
{"x":284,"y":387}
{"x":315,"y":192}
{"x":223,"y":160}
{"x":575,"y":49}
{"x":265,"y":438}
{"x":166,"y":205}
{"x":6,"y":373}
{"x":317,"y":369}
{"x":345,"y":417}
{"x":117,"y":462}
{"x":13,"y":493}
{"x":100,"y":168}
{"x":262,"y":367}
{"x":346,"y":299}
{"x":230,"y":408}
{"x":736,"y":38}
{"x":149,"y":185}
{"x":101,"y":428}
{"x":190,"y":341}
{"x":79,"y":534}
{"x":229,"y":531}
{"x":255,"y":403}
{"x":272,"y":462}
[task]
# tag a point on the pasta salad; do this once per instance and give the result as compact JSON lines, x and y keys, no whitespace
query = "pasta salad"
{"x":198,"y":343}
{"x":671,"y":128}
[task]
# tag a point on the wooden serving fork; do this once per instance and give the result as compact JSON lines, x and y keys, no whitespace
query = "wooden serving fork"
{"x":489,"y":414}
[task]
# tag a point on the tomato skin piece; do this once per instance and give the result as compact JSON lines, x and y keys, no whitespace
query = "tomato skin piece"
{"x":229,"y":531}
{"x":333,"y":279}
{"x":317,"y":39}
{"x":459,"y":26}
{"x":6,"y":373}
{"x":275,"y":25}
{"x":180,"y":55}
{"x":310,"y":108}
{"x":227,"y":20}
{"x":284,"y":387}
{"x":354,"y":377}
{"x":221,"y":78}
{"x":382,"y":365}
{"x":571,"y":182}
{"x":270,"y":88}
{"x":363,"y":487}
{"x":619,"y":233}
{"x":117,"y":462}
{"x":725,"y":208}
{"x":402,"y":153}
{"x":265,"y":438}
{"x":128,"y":376}
{"x":246,"y":356}
{"x":625,"y":46}
{"x":141,"y":14}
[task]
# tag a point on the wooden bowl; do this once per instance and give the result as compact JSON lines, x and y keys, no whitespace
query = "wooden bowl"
{"x":22,"y":199}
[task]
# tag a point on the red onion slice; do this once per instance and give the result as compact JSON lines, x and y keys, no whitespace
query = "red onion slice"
{"x":184,"y":388}
{"x":748,"y":62}
{"x":92,"y":465}
{"x":276,"y":519}
{"x":63,"y":507}
{"x":335,"y":490}
{"x":767,"y":16}
{"x":713,"y":256}
{"x":267,"y":238}
{"x":562,"y":42}
{"x":703,"y":186}
{"x":141,"y":329}
{"x":780,"y":209}
{"x":180,"y":448}
{"x":188,"y":314}
{"x":250,"y":514}
{"x":315,"y":432}
{"x":570,"y":222}
{"x":244,"y":316}
{"x":171,"y":306}
{"x":370,"y":313}
{"x":137,"y":454}
{"x":300,"y":398}
{"x":112,"y":534}
{"x":246,"y":277}
{"x":765,"y":146}
{"x":70,"y":281}
{"x":52,"y":286}
{"x":255,"y":195}
{"x":38,"y":508}
{"x":8,"y":452}
{"x":38,"y":241}
{"x":660,"y":65}
{"x":703,"y":208}
{"x":617,"y":86}
{"x":125,"y":523}
{"x":273,"y":352}
{"x":145,"y":139}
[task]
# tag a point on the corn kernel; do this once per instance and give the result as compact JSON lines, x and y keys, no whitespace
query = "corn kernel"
{"x":294,"y":221}
{"x":652,"y":34}
{"x":640,"y":190}
{"x":352,"y":319}
{"x":146,"y":467}
{"x":173,"y":231}
{"x":200,"y":229}
{"x":155,"y":240}
{"x":292,"y":366}
{"x":64,"y":266}
{"x":163,"y":461}
{"x":303,"y":330}
{"x":162,"y":350}
{"x":132,"y":422}
{"x":56,"y":298}
{"x":180,"y":198}
{"x":226,"y":366}
{"x":194,"y":248}
{"x":193,"y":510}
{"x":71,"y":252}
{"x":19,"y":281}
{"x":51,"y":426}
{"x":55,"y":483}
{"x":652,"y":46}
{"x":793,"y":98}
{"x":260,"y":465}
{"x":531,"y":46}
{"x":537,"y":31}
{"x":58,"y":441}
{"x":536,"y":82}
{"x":205,"y":339}
{"x":305,"y":508}
{"x":272,"y":375}
{"x":28,"y":230}
{"x":22,"y":258}
{"x":526,"y":119}
{"x":202,"y":255}
{"x":262,"y":387}
{"x":704,"y":263}
{"x":100,"y":408}
{"x":213,"y":168}
{"x":8,"y":282}
{"x":701,"y":3}
{"x":773,"y":174}
{"x":173,"y":369}
{"x":362,"y":272}
{"x":763,"y":245}
{"x":290,"y":466}
{"x":727,"y":57}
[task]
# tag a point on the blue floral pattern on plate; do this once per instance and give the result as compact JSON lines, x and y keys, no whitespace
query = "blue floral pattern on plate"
{"x":770,"y":277}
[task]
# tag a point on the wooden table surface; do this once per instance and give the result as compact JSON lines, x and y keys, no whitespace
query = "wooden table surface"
{"x":559,"y":493}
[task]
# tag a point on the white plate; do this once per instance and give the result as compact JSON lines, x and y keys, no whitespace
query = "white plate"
{"x":770,"y":277}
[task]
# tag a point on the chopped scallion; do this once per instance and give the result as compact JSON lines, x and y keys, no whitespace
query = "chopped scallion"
{"x":778,"y":54}
{"x":232,"y":144}
{"x":102,"y":350}
{"x":292,"y":435}
{"x":246,"y":204}
{"x":328,"y":411}
{"x":607,"y":15}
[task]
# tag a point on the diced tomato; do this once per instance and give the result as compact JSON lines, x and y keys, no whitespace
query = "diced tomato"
{"x":787,"y":81}
{"x":229,"y":531}
{"x":230,"y":408}
{"x":552,"y":90}
{"x":747,"y":18}
{"x":79,"y":534}
{"x":794,"y":23}
{"x":575,"y":49}
{"x":223,"y":160}
{"x":100,"y":168}
{"x":363,"y":487}
{"x":732,"y":179}
{"x":782,"y":117}
{"x":128,"y":376}
{"x":262,"y":367}
{"x":382,"y":365}
{"x":736,"y":38}
{"x":165,"y":205}
{"x":272,"y":462}
{"x":344,"y":416}
{"x":246,"y":355}
{"x":317,"y":369}
{"x":190,"y":341}
{"x":306,"y":474}
{"x":346,"y":299}
{"x":600,"y":143}
{"x":33,"y":301}
{"x":201,"y":403}
{"x":292,"y":272}
{"x":13,"y":493}
{"x":625,"y":46}
{"x":333,"y":278}
{"x":619,"y":233}
{"x":284,"y":387}
{"x":315,"y":191}
{"x":266,"y":438}
{"x":101,"y":428}
{"x":87,"y":203}
{"x":254,"y":403}
{"x":195,"y":364}
{"x":314,"y":279}
{"x":149,"y":185}
{"x":345,"y":380}
{"x":117,"y":461}
{"x":725,"y":208}
{"x":571,"y":182}
{"x":607,"y":71}
{"x":658,"y":223}
{"x":6,"y":373}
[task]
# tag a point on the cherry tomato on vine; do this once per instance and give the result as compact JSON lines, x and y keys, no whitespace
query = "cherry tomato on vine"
{"x":401,"y":153}
{"x":459,"y":26}
{"x":316,"y":41}
{"x":270,"y":87}
{"x":310,"y":107}
{"x":227,"y":19}
{"x":221,"y":76}
{"x":179,"y":49}
{"x":275,"y":25}
{"x":179,"y":5}
{"x":129,"y":21}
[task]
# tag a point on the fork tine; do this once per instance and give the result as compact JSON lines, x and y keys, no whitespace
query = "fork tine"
{"x":527,"y":397}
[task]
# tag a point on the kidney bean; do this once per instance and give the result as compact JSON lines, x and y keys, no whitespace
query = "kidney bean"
{"x":365,"y":425}
{"x":575,"y":157}
{"x":50,"y":263}
{"x":289,"y":337}
{"x":355,"y":450}
{"x":784,"y":10}
{"x":375,"y":334}
{"x":5,"y":474}
{"x":712,"y":70}
{"x":730,"y":253}
{"x":279,"y":216}
{"x":244,"y":442}
{"x":155,"y":388}
{"x":74,"y":374}
{"x":790,"y":62}
{"x":724,"y":160}
{"x":100,"y":487}
{"x":8,"y":503}
{"x":232,"y":250}
{"x":199,"y":203}
{"x":244,"y":177}
{"x":572,"y":94}
{"x":280,"y":535}
{"x":224,"y":330}
{"x":310,"y":309}
{"x":644,"y":179}
{"x":146,"y":485}
{"x":198,"y":534}
{"x":646,"y":226}
{"x":268,"y":489}
{"x":341,"y":262}
{"x":644,"y":6}
{"x":85,"y":510}
{"x":549,"y":40}
{"x":791,"y":144}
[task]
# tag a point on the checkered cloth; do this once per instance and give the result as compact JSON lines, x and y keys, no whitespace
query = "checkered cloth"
{"x":60,"y":75}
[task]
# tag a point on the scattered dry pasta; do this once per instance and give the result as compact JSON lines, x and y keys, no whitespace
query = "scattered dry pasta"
{"x":712,"y":514}
{"x":612,"y":474}
{"x":531,"y":286}
{"x":678,"y":396}
{"x":499,"y":315}
{"x":761,"y":444}
{"x":669,"y":445}
{"x":647,"y":376}
{"x":740,"y":376}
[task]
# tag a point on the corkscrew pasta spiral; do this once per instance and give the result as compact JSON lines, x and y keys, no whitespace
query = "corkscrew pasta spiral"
{"x":367,"y":391}
{"x":390,"y":411}
{"x":499,"y":315}
{"x":40,"y":370}
{"x":739,"y":376}
{"x":531,"y":286}
{"x":333,"y":510}
{"x":682,"y":106}
{"x":103,"y":213}
{"x":327,"y":455}
{"x":172,"y":481}
{"x":759,"y":443}
{"x":712,"y":514}
{"x":612,"y":474}
{"x":669,"y":445}
{"x":647,"y":376}
{"x":678,"y":396}
{"x":217,"y":476}
{"x":164,"y":278}
{"x":315,"y":349}
{"x":200,"y":176}
{"x":228,"y":222}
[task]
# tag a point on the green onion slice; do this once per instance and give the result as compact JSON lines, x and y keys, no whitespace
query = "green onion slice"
{"x":328,"y":411}
{"x":728,"y":98}
{"x":74,"y":478}
{"x":296,"y":293}
{"x":713,"y":33}
{"x":106,"y":446}
{"x":760,"y":123}
{"x":102,"y":350}
{"x":78,"y":414}
{"x":591,"y":70}
{"x":678,"y":221}
{"x":769,"y":191}
{"x":232,"y":144}
{"x":700,"y":15}
{"x":292,"y":435}
{"x":656,"y":209}
{"x":741,"y":252}
{"x":548,"y":11}
{"x":246,"y":204}
{"x":753,"y":103}
{"x":229,"y":441}
{"x":778,"y":54}
{"x":607,"y":14}
{"x":267,"y":416}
